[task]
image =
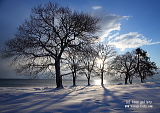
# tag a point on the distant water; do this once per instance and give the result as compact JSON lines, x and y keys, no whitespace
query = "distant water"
{"x":52,"y":83}
{"x":44,"y":82}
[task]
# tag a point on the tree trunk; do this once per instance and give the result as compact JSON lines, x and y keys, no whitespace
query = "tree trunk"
{"x":139,"y":69}
{"x":130,"y":79}
{"x":88,"y":81}
{"x":126,"y":79}
{"x":102,"y":79}
{"x":58,"y":74}
{"x":142,"y":80}
{"x":102,"y":72}
{"x":88,"y":77}
{"x":74,"y":81}
{"x":74,"y":78}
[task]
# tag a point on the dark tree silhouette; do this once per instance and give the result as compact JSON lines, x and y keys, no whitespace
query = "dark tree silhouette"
{"x":125,"y":65}
{"x":134,"y":64}
{"x":41,"y":40}
{"x":105,"y":53}
{"x":88,"y":60}
{"x":144,"y":66}
{"x":73,"y":61}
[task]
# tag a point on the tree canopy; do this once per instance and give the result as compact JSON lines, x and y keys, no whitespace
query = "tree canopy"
{"x":41,"y":40}
{"x":133,"y":64}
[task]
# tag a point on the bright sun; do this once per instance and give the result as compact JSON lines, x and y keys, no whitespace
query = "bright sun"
{"x":99,"y":61}
{"x":98,"y":82}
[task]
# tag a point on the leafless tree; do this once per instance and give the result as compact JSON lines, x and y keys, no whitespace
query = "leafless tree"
{"x":105,"y":54}
{"x":125,"y":65}
{"x":41,"y":40}
{"x":144,"y":67}
{"x":73,"y":61}
{"x":133,"y":64}
{"x":88,"y":60}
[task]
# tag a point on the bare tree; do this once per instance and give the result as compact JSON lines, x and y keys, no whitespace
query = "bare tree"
{"x":88,"y":60}
{"x":73,"y":60}
{"x":105,"y":53}
{"x":125,"y":65}
{"x":42,"y":39}
{"x":144,"y":66}
{"x":134,"y":64}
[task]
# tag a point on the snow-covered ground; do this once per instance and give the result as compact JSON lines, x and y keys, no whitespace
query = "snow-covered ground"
{"x":135,"y":98}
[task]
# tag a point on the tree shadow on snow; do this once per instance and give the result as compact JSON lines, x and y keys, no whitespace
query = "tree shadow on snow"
{"x":108,"y":104}
{"x":115,"y":102}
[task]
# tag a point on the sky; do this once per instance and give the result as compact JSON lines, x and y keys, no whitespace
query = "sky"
{"x":126,"y":24}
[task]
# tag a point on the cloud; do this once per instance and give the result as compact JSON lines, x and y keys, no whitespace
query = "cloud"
{"x":130,"y":40}
{"x":110,"y":32}
{"x":110,"y":23}
{"x":112,"y":36}
{"x":96,"y":7}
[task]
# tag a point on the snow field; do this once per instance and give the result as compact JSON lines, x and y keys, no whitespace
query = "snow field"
{"x":142,"y":98}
